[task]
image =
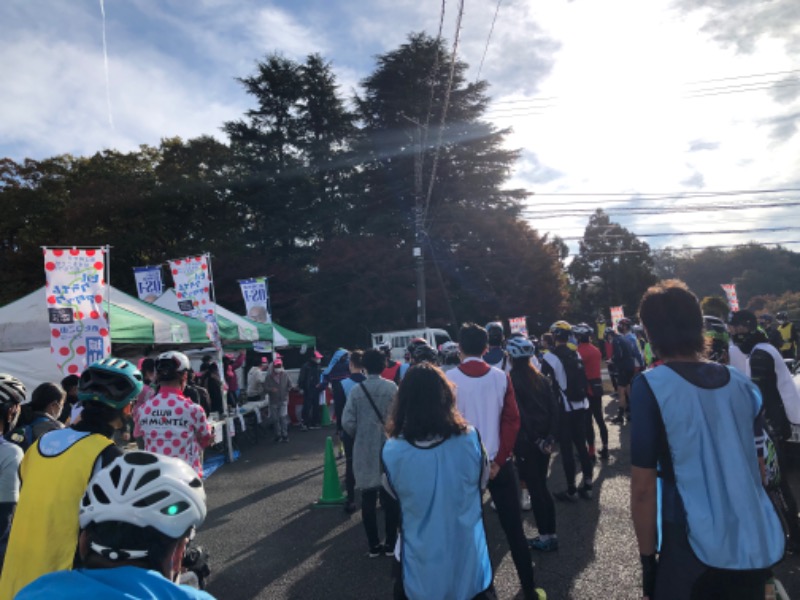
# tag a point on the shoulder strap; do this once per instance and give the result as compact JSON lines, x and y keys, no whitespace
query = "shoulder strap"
{"x":372,"y":403}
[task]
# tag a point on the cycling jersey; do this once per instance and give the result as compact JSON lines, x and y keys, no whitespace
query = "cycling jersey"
{"x":173,"y":425}
{"x":120,"y":583}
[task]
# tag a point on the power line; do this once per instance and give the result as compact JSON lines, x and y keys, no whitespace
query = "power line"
{"x":486,"y":48}
{"x":648,"y":197}
{"x":684,"y":233}
{"x":633,"y":210}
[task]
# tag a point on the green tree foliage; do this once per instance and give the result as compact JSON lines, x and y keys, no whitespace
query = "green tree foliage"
{"x":715,"y":306}
{"x":613,"y":268}
{"x":755,"y":269}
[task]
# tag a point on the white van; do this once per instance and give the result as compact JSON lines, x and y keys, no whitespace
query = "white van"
{"x":400,"y":339}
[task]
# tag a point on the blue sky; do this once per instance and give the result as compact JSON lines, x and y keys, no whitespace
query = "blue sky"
{"x":616,"y":97}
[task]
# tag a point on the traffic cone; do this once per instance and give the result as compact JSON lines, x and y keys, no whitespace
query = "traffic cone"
{"x":325,"y":417}
{"x":331,"y":486}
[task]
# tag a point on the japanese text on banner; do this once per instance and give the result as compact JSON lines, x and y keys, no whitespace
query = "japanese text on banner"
{"x":149,"y":285}
{"x":730,"y":292}
{"x":518,"y":325}
{"x":193,"y":290}
{"x":256,"y":299}
{"x":76,"y":307}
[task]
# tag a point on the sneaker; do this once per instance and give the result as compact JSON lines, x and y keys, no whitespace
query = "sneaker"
{"x":585,"y":492}
{"x":303,"y":428}
{"x":548,"y":545}
{"x":566,"y":496}
{"x":313,"y":427}
{"x":618,"y":420}
{"x":388,"y":549}
{"x":376,"y":551}
{"x":526,"y":500}
{"x":350,"y":507}
{"x":285,"y":440}
{"x":604,"y":454}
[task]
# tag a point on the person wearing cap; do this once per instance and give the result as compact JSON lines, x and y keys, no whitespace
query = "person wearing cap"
{"x":55,"y":471}
{"x":169,"y":422}
{"x":136,"y":518}
{"x":781,"y":399}
{"x":277,"y":384}
{"x":12,"y":396}
{"x":307,"y":381}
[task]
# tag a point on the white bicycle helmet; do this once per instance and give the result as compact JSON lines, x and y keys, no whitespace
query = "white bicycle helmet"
{"x":12,"y":390}
{"x":145,"y":490}
{"x":448,"y":349}
{"x":170,"y":364}
{"x":520,"y":347}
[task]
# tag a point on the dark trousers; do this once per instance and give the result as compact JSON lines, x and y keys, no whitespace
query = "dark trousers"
{"x":532,"y":466}
{"x":504,"y":489}
{"x":391,"y":512}
{"x":349,"y":476}
{"x":572,"y":432}
{"x":596,"y":412}
{"x":789,"y":508}
{"x":682,"y":575}
{"x":311,"y":412}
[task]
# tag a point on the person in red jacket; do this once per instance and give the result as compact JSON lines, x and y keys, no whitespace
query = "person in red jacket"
{"x":592,"y":358}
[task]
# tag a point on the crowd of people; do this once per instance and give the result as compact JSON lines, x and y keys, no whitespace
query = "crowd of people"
{"x":710,"y":412}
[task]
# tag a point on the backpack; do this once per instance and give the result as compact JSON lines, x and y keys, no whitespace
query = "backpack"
{"x":577,"y":383}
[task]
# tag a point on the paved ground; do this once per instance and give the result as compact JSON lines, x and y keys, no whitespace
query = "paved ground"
{"x":267,"y":540}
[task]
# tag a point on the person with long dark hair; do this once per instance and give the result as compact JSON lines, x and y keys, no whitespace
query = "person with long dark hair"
{"x":436,"y":467}
{"x":538,"y":411}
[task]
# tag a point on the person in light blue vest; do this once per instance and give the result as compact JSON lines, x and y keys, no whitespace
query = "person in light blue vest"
{"x":436,"y":467}
{"x":704,"y":523}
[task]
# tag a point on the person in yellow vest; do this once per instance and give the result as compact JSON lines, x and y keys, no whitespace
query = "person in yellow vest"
{"x":55,"y":471}
{"x":789,"y":335}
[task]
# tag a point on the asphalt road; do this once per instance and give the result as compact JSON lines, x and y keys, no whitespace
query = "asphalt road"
{"x":268,"y":541}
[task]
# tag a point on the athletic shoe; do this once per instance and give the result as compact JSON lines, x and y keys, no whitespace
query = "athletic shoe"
{"x":548,"y":545}
{"x":566,"y":496}
{"x":525,"y":503}
{"x":303,"y":428}
{"x":388,"y":550}
{"x":618,"y":420}
{"x":604,"y":454}
{"x":376,"y":551}
{"x":585,"y":491}
{"x":313,"y":427}
{"x":285,"y":440}
{"x":350,"y":507}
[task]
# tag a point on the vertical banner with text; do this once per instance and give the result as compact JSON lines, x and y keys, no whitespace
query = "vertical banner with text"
{"x":193,"y":289}
{"x":256,"y":299}
{"x":730,"y":292}
{"x":76,"y":307}
{"x":617,"y":313}
{"x":149,"y":284}
{"x":518,"y":325}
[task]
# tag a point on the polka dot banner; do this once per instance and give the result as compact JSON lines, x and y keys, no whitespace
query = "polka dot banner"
{"x":193,"y":288}
{"x":76,"y":306}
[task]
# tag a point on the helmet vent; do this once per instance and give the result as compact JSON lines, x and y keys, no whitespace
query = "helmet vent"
{"x":151,"y":499}
{"x":115,"y":475}
{"x":196,"y":483}
{"x":147,"y":478}
{"x":127,"y":483}
{"x":140,"y":458}
{"x":100,"y":494}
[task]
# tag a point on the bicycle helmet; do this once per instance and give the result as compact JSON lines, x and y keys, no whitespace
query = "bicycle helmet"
{"x":448,"y":349}
{"x":171,"y":364}
{"x":424,"y":353}
{"x":12,"y":390}
{"x":781,"y":316}
{"x":384,"y":347}
{"x":495,"y":332}
{"x":112,"y":381}
{"x":520,"y":347}
{"x":145,"y":490}
{"x":582,"y":331}
{"x":561,"y":330}
{"x":412,"y":345}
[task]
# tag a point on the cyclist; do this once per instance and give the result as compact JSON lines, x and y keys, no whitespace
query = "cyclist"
{"x":392,"y":369}
{"x":591,"y":358}
{"x":55,"y":471}
{"x":169,"y":422}
{"x":12,"y":397}
{"x":495,"y":356}
{"x":410,"y":353}
{"x":136,"y":518}
{"x":448,"y":356}
{"x":789,"y":335}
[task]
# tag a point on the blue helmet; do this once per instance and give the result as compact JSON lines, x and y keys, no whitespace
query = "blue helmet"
{"x":520,"y":347}
{"x":111,"y":381}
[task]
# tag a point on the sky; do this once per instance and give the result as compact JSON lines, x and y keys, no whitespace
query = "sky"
{"x":639,"y":107}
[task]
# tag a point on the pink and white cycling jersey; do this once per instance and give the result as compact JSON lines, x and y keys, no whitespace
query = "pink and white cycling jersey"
{"x":173,"y":425}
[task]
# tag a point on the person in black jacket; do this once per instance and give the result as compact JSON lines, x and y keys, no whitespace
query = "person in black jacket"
{"x":308,"y":382}
{"x":536,"y":438}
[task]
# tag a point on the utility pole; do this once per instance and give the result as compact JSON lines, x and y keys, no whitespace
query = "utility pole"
{"x":419,"y":224}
